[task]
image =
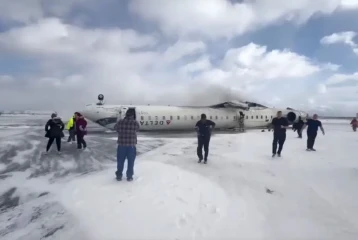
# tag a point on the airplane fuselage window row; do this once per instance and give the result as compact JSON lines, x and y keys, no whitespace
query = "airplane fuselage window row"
{"x":156,"y":118}
{"x":257,"y":117}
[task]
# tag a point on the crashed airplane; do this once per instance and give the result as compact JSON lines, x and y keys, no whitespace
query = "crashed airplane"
{"x":226,"y":115}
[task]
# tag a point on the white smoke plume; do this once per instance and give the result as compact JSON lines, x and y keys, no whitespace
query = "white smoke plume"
{"x":213,"y":94}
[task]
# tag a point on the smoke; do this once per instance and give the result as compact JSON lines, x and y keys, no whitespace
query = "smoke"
{"x":213,"y":94}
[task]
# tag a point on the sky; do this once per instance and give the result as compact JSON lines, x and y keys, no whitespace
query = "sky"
{"x":59,"y":55}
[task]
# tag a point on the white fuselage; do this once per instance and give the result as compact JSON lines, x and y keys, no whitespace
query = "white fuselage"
{"x":156,"y":118}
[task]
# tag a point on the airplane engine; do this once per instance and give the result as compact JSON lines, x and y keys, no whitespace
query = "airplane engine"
{"x":291,"y":116}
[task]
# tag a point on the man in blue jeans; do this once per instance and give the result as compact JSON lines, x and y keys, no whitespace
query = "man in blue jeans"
{"x":127,"y":129}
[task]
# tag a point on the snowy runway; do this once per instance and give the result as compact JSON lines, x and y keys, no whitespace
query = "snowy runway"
{"x":165,"y":202}
{"x":242,"y":193}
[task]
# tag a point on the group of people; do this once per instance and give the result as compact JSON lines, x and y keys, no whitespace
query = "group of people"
{"x":76,"y":126}
{"x":127,"y":129}
{"x":280,"y":124}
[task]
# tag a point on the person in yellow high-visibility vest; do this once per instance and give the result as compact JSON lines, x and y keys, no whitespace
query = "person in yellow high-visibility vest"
{"x":71,"y":127}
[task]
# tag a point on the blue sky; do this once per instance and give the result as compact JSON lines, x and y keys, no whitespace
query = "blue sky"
{"x":179,"y":52}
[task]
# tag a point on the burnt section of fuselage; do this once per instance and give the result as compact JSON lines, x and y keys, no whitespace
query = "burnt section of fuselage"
{"x":234,"y":105}
{"x":252,"y":104}
{"x":106,"y":121}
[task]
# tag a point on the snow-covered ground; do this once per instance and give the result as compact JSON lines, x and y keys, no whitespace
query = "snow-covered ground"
{"x":242,"y":193}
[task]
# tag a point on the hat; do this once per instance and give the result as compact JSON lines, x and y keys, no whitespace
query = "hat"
{"x":53,"y":115}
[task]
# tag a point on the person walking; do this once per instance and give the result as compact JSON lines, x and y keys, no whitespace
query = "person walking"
{"x":354,"y":124}
{"x":299,"y":126}
{"x":54,"y":131}
{"x":71,"y":129}
{"x":81,"y":131}
{"x":312,"y":129}
{"x":203,"y":129}
{"x":127,"y":129}
{"x":280,"y":124}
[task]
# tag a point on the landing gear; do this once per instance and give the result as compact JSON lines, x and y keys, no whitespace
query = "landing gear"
{"x":100,"y":99}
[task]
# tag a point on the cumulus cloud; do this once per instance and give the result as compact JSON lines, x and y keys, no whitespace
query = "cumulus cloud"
{"x":322,"y":88}
{"x":129,"y":66}
{"x":339,"y":99}
{"x":223,"y":18}
{"x":346,"y":38}
{"x":70,"y":64}
{"x":29,"y":11}
{"x":349,"y":4}
{"x":256,"y":62}
{"x":342,"y":37}
{"x":342,"y":78}
{"x":5,"y":80}
{"x":331,"y":66}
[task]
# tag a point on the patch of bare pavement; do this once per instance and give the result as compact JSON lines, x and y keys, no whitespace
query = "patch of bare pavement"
{"x":28,"y":208}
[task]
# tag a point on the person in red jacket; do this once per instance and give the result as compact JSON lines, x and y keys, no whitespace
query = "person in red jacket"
{"x":81,"y":130}
{"x":354,"y":124}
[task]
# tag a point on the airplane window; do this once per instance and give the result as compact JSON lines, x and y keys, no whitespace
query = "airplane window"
{"x":262,"y":117}
{"x":247,"y":117}
{"x":252,"y":117}
{"x":163,"y":117}
{"x":171,"y":117}
{"x":142,"y":118}
{"x":178,"y":117}
{"x":149,"y":118}
{"x":185,"y":118}
{"x":271,"y":117}
{"x":257,"y":117}
{"x":266,"y":116}
{"x":227,"y":117}
{"x":211,"y":117}
{"x":192,"y":117}
{"x":156,"y":118}
{"x":216,"y":117}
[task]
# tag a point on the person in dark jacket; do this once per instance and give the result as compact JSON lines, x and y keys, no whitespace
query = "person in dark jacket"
{"x":280,"y":124}
{"x":203,"y":128}
{"x":81,"y":130}
{"x":71,"y":127}
{"x":298,"y":126}
{"x":354,"y":124}
{"x":312,"y":129}
{"x":127,"y":129}
{"x":54,"y":131}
